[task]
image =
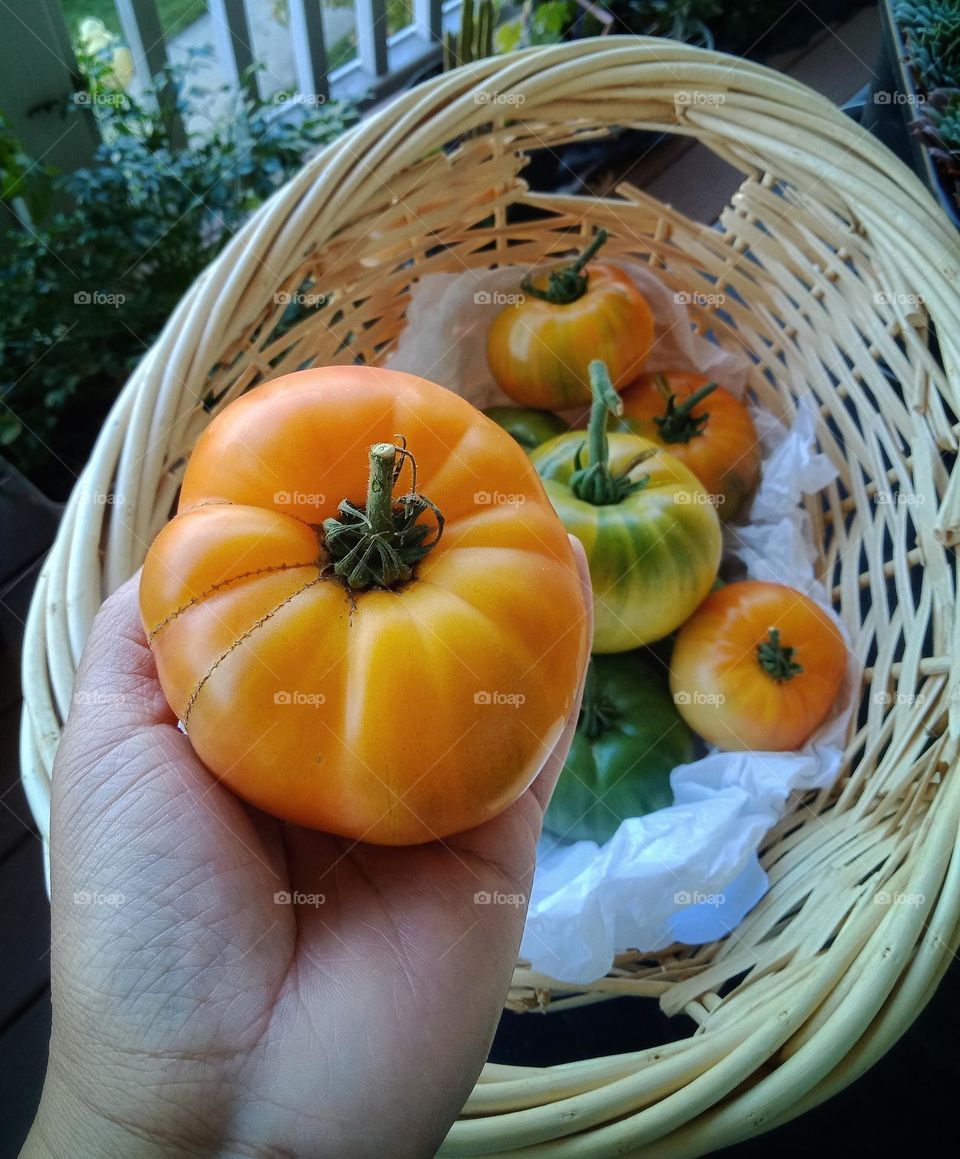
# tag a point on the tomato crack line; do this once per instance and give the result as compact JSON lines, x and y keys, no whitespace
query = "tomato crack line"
{"x":220,"y":585}
{"x":212,"y":502}
{"x":239,"y":640}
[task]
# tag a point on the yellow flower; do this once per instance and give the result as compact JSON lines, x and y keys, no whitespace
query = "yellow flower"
{"x":95,"y":39}
{"x":122,"y":66}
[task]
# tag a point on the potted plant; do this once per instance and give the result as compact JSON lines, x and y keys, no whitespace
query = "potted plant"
{"x":914,"y":105}
{"x":93,"y":262}
{"x":499,"y":26}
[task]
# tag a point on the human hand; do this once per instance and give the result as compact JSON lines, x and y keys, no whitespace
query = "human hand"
{"x":194,"y":1014}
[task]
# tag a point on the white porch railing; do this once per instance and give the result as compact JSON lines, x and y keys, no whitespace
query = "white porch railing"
{"x":383,"y":61}
{"x":38,"y":70}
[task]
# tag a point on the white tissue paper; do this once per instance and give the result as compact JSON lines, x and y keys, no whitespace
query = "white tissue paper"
{"x":688,"y":873}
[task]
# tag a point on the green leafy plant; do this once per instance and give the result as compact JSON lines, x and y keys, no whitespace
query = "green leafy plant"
{"x":939,"y":126}
{"x":474,"y":40}
{"x":931,"y":33}
{"x":549,"y":20}
{"x":687,"y":20}
{"x":519,"y":23}
{"x":538,"y":22}
{"x":85,"y":289}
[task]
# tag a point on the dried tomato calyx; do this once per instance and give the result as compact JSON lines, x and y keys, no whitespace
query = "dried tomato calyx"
{"x":380,"y":544}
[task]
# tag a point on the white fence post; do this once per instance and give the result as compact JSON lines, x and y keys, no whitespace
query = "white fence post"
{"x":428,"y":18}
{"x":372,"y":35}
{"x":143,"y":33}
{"x":309,"y":49}
{"x":234,"y":44}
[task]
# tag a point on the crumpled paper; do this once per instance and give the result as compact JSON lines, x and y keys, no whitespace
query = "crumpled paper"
{"x":688,"y":873}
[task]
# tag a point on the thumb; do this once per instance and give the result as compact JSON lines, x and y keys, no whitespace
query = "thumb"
{"x":116,"y":693}
{"x":111,"y":737}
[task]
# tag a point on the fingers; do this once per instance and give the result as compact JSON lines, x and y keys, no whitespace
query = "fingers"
{"x":542,"y":788}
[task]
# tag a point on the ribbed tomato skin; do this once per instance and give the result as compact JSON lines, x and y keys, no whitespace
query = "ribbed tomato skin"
{"x":391,"y":716}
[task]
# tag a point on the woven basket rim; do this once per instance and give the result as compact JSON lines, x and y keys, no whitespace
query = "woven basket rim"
{"x":715,"y":1087}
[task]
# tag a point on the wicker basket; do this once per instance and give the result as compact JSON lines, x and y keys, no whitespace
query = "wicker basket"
{"x":835,"y":264}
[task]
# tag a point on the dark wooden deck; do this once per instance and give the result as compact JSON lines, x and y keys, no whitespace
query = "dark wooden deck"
{"x":908,"y":1095}
{"x":24,"y":913}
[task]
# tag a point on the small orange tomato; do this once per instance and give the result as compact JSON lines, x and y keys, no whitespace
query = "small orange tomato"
{"x":757,"y":666}
{"x":347,"y":651}
{"x":540,"y":347}
{"x":703,"y":426}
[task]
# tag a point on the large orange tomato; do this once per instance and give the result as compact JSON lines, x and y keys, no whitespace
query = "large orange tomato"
{"x":353,"y":647}
{"x":757,"y":666}
{"x":703,"y":426}
{"x":540,"y":348}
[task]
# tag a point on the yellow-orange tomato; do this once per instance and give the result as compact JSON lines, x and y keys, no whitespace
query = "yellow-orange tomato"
{"x":394,"y":712}
{"x":711,"y":433}
{"x":540,"y":347}
{"x":757,"y":666}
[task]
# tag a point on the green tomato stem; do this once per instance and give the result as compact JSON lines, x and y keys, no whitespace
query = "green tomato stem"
{"x":379,"y":505}
{"x":566,"y":284}
{"x":678,"y":424}
{"x":380,"y":544}
{"x":776,"y":659}
{"x":596,"y":483}
{"x":606,"y":402}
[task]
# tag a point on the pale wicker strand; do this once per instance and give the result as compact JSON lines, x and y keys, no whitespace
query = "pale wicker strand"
{"x":825,"y":220}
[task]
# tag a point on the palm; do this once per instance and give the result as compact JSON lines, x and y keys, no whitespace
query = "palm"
{"x":188,"y":955}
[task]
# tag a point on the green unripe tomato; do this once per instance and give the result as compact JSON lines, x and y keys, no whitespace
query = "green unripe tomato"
{"x":629,"y":739}
{"x":530,"y":427}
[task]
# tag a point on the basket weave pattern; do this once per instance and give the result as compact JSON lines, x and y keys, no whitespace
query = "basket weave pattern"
{"x":835,"y":265}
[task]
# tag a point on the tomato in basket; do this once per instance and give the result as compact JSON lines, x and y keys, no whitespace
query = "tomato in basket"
{"x":540,"y":347}
{"x":704,"y":426}
{"x":651,"y":535}
{"x":376,"y":639}
{"x":629,"y":739}
{"x":758,"y":666}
